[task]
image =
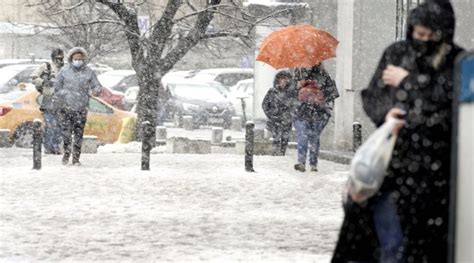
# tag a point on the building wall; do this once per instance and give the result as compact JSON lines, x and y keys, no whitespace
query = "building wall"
{"x":365,"y":28}
{"x":464,"y":10}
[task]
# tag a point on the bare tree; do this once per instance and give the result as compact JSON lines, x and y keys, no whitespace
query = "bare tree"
{"x":73,"y":27}
{"x":180,"y":27}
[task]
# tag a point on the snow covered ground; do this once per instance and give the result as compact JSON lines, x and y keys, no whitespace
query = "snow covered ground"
{"x":187,"y":208}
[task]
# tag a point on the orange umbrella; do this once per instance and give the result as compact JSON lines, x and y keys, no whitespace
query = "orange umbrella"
{"x":299,"y":46}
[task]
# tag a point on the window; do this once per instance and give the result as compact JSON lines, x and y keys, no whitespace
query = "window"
{"x":24,"y":76}
{"x":97,"y":107}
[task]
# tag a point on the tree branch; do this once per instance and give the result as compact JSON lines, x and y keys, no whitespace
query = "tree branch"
{"x":163,"y":27}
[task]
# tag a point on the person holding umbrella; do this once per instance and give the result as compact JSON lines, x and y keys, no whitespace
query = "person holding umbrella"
{"x":304,"y":47}
{"x":316,"y":92}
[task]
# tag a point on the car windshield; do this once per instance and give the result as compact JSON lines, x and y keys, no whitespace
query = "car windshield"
{"x":7,"y":74}
{"x":11,"y":96}
{"x":195,"y":91}
{"x":110,"y":80}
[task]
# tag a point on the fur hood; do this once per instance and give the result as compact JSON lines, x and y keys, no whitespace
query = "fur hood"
{"x":75,"y":50}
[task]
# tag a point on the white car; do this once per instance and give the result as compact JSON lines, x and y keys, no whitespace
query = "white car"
{"x":243,"y":90}
{"x":99,"y":68}
{"x":118,"y":80}
{"x":11,"y":76}
{"x":226,"y":76}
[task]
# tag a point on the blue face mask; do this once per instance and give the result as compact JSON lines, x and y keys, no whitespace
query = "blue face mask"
{"x":77,"y":63}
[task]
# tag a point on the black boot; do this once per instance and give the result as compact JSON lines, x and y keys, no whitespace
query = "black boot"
{"x":65,"y":160}
{"x":300,"y":167}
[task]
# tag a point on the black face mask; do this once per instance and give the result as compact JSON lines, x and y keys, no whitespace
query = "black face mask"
{"x":425,"y":48}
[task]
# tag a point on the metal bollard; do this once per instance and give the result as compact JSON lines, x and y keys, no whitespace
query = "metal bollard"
{"x":147,"y":132}
{"x":37,"y":142}
{"x":249,"y":146}
{"x":356,"y":136}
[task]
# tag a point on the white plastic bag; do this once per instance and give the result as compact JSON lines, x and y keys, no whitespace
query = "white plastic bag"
{"x":370,"y":162}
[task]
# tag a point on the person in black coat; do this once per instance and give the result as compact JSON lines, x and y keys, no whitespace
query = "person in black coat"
{"x":407,"y":221}
{"x":315,"y":93}
{"x":277,"y":107}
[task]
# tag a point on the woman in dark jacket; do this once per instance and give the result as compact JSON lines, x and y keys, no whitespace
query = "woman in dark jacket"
{"x":408,"y":219}
{"x":277,"y":108}
{"x":315,"y":94}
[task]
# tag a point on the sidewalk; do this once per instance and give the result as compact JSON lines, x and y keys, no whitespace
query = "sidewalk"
{"x":187,"y":208}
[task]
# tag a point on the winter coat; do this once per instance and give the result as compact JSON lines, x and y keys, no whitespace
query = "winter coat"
{"x":73,"y":85}
{"x":277,"y":106}
{"x":419,"y":171}
{"x":313,"y":111}
{"x":43,"y":78}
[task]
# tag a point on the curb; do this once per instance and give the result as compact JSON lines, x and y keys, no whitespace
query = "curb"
{"x":337,"y":157}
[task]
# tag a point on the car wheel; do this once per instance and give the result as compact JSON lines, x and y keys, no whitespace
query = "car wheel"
{"x":24,"y":136}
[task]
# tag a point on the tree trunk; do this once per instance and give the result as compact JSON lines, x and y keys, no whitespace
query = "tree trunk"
{"x":147,"y":107}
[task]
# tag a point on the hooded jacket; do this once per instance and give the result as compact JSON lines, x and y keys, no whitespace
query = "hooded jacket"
{"x":74,"y":85}
{"x":313,"y":111}
{"x":419,"y":172}
{"x":277,"y":104}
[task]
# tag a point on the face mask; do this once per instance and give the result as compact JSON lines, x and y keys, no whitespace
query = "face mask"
{"x":425,"y":48}
{"x":77,"y":63}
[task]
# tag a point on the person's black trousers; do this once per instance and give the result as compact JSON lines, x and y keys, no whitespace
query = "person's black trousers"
{"x":72,"y":123}
{"x":281,"y":136}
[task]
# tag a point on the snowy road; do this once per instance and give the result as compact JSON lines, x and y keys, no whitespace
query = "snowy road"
{"x":188,"y":208}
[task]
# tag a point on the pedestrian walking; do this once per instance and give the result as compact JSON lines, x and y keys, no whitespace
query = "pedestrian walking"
{"x":43,"y":78}
{"x":74,"y":84}
{"x":407,"y":221}
{"x":315,"y":95}
{"x":277,"y":106}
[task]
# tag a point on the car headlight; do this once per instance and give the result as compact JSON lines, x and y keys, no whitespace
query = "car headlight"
{"x":190,"y":107}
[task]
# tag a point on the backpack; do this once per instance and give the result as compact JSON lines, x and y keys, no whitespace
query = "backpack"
{"x":310,"y":92}
{"x":46,"y":75}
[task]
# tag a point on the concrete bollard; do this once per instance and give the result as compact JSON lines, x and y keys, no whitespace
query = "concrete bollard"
{"x":217,"y":135}
{"x":249,"y":144}
{"x":4,"y":138}
{"x":188,"y":123}
{"x":356,"y":136}
{"x":89,"y":144}
{"x":180,"y":145}
{"x":236,"y":124}
{"x":161,"y":134}
{"x":37,"y":141}
{"x":259,"y":134}
{"x":147,"y":144}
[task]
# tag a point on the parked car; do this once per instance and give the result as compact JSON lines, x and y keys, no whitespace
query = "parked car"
{"x":226,"y":76}
{"x":9,"y":62}
{"x":112,"y":97}
{"x":19,"y":108}
{"x":243,"y":90}
{"x":11,"y":76}
{"x":118,"y":80}
{"x":176,"y":76}
{"x":202,"y":100}
{"x":131,"y":95}
{"x":99,"y":68}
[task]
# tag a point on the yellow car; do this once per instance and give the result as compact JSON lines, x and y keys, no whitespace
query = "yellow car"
{"x":19,"y":108}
